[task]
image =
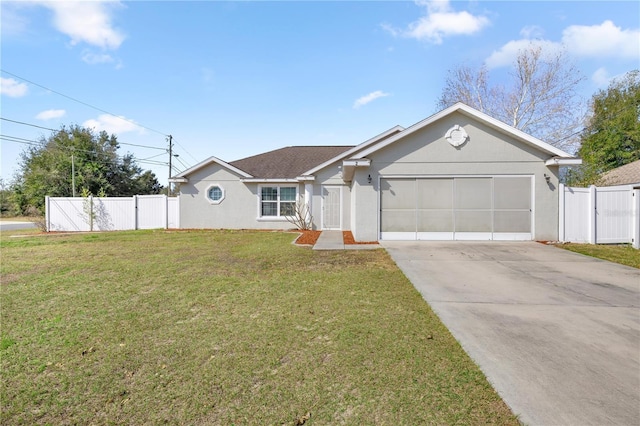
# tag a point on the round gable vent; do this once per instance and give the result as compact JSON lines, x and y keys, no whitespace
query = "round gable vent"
{"x":456,"y":136}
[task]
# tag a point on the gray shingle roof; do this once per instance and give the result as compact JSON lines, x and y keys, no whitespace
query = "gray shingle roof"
{"x":623,"y":175}
{"x":289,"y":162}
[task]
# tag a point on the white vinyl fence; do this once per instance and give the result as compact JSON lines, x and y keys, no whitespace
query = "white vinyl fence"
{"x":111,"y":213}
{"x":600,"y":215}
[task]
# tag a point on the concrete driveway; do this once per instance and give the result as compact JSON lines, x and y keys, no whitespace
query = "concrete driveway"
{"x":556,"y":333}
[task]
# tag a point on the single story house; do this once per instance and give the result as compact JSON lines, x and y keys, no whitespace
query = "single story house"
{"x":457,"y":175}
{"x":629,"y":174}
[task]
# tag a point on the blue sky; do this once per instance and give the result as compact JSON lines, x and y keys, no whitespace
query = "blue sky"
{"x":233,"y":79}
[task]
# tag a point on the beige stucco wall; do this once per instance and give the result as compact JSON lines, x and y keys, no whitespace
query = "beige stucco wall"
{"x":238,"y":210}
{"x":427,"y":153}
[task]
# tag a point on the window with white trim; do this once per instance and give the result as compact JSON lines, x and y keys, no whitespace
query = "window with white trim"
{"x":277,"y":201}
{"x":215,"y":194}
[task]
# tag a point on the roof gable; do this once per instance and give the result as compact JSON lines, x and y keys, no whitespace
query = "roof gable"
{"x":388,"y":133}
{"x":181,"y":177}
{"x":477,"y":115}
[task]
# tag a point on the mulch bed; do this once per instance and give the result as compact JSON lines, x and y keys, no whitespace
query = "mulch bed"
{"x":310,"y":238}
{"x":347,"y":237}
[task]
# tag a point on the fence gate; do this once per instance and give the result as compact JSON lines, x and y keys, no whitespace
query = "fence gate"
{"x":600,"y":215}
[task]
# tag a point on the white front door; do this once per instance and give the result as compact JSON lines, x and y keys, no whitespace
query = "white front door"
{"x":331,"y":209}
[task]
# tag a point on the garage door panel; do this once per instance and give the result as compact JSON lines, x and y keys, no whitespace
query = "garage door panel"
{"x":435,"y":221}
{"x":472,"y":193}
{"x":512,"y":221}
{"x":460,"y":208}
{"x":473,"y":221}
{"x":434,"y":193}
{"x":512,"y":192}
{"x":398,"y":193}
{"x":398,"y":221}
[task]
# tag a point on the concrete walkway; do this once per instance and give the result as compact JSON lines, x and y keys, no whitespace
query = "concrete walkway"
{"x":332,"y":240}
{"x":556,"y":333}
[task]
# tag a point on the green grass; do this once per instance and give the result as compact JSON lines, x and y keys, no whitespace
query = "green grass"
{"x":623,"y":254}
{"x":223,"y":327}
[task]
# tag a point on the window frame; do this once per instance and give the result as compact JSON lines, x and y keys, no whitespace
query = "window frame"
{"x":278,"y":201}
{"x":209,"y":188}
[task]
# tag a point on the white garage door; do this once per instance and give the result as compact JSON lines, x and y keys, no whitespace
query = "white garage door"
{"x":456,"y":208}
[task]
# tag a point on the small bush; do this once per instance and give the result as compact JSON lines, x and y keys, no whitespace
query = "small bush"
{"x":36,"y":217}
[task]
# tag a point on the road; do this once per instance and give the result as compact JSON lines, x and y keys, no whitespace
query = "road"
{"x":13,"y":225}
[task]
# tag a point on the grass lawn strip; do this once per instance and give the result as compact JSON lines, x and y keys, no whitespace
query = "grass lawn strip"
{"x":623,"y":254}
{"x":224,"y":327}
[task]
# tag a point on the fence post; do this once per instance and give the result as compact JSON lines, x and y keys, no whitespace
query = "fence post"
{"x":135,"y":212}
{"x":166,"y":212}
{"x":561,"y":207}
{"x":593,"y":237}
{"x":91,"y":213}
{"x":178,"y":212}
{"x":635,"y":217}
{"x":46,"y":213}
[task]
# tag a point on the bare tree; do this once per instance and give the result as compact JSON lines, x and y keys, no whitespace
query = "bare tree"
{"x":300,"y":216}
{"x":541,"y":98}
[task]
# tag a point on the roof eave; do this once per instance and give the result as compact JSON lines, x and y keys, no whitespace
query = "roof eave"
{"x":211,"y":160}
{"x":178,"y":180}
{"x":557,"y":161}
{"x":349,"y":167}
{"x":270,"y":180}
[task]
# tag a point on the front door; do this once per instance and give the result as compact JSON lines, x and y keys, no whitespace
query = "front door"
{"x":331,"y":211}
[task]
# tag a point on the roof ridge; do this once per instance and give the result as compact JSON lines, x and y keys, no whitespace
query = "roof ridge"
{"x":291,"y":146}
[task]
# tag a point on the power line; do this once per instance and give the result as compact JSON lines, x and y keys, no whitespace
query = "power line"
{"x":96,"y":108}
{"x":185,"y":150}
{"x":81,"y":102}
{"x":181,"y":162}
{"x":71,"y":149}
{"x":57,"y":130}
{"x":153,"y":156}
{"x":27,"y":124}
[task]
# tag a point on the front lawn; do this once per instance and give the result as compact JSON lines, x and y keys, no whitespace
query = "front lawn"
{"x":222,"y":327}
{"x":623,"y":254}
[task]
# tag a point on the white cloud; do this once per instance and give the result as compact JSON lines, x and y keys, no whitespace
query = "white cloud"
{"x":440,"y":21}
{"x":532,"y":31}
{"x":87,"y":22}
{"x":51,"y":114}
{"x":601,"y":77}
{"x":12,"y":88}
{"x":96,"y":58}
{"x":605,"y":40}
{"x":112,"y":124}
{"x":509,"y":52}
{"x":11,"y":22}
{"x":601,"y":40}
{"x":369,"y":98}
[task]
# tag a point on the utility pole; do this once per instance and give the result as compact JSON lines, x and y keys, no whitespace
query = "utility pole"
{"x":170,"y":157}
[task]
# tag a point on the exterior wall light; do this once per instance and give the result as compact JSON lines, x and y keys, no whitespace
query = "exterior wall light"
{"x":369,"y":179}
